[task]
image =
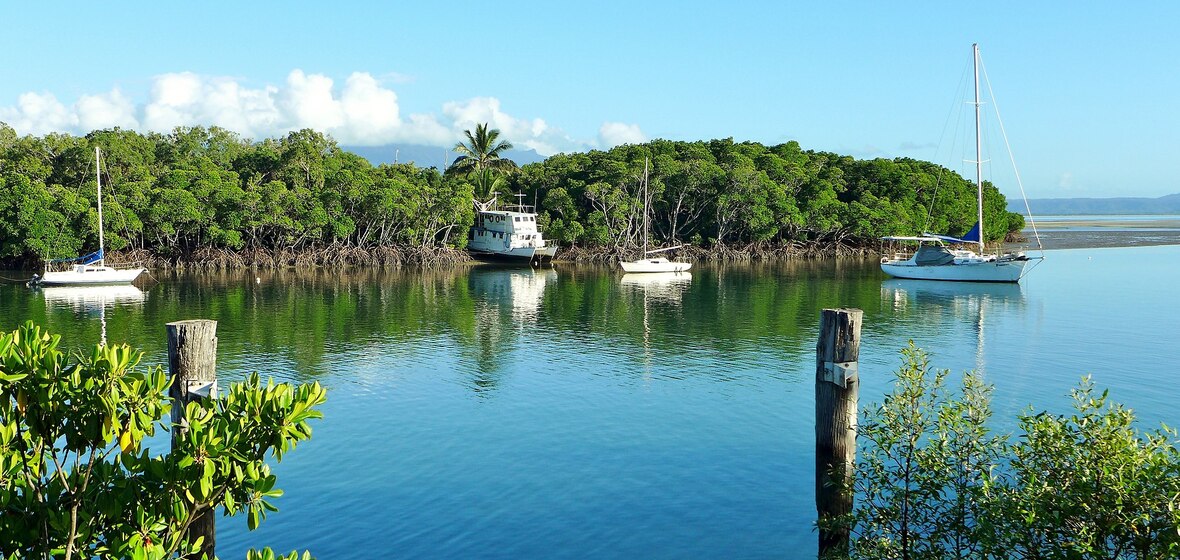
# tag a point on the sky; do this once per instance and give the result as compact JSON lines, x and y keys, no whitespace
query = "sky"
{"x":1087,"y":91}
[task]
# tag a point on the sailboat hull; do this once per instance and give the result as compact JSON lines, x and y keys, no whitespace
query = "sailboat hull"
{"x":654,"y":265}
{"x":989,"y":271}
{"x":90,"y":276}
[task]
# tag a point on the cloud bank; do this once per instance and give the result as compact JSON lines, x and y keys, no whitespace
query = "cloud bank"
{"x":360,"y":112}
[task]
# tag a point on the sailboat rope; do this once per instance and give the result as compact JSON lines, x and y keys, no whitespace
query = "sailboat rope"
{"x":1011,"y":157}
{"x":951,"y":111}
{"x":122,"y":209}
{"x":77,"y":191}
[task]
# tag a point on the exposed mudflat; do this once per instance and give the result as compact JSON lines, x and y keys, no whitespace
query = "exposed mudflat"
{"x":1076,"y":232}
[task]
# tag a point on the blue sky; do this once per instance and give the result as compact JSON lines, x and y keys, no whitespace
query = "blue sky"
{"x":1088,"y":92}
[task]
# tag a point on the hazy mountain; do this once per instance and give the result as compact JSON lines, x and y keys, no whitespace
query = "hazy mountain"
{"x":1169,"y":204}
{"x":427,"y":156}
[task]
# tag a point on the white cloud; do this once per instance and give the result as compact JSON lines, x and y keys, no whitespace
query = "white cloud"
{"x":174,"y":98}
{"x":425,"y":129}
{"x":612,"y":134}
{"x":523,"y":133}
{"x":106,"y":110}
{"x":39,"y":114}
{"x":308,"y":103}
{"x":370,"y":111}
{"x":361,"y":112}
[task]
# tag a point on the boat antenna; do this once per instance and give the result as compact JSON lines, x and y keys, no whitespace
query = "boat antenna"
{"x":98,"y":177}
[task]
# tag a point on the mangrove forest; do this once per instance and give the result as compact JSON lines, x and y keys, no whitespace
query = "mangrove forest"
{"x":207,"y":195}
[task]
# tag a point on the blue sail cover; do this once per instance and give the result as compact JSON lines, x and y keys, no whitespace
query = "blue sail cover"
{"x":971,"y":237}
{"x":86,"y":259}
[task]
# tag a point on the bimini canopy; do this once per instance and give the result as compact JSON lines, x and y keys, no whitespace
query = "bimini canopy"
{"x":84,"y":259}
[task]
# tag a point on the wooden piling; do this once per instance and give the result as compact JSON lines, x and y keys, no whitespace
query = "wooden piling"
{"x":836,"y":388}
{"x":192,"y":363}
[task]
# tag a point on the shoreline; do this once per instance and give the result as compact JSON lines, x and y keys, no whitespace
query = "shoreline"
{"x":1058,"y":235}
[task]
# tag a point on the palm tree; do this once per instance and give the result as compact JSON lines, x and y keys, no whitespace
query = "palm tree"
{"x":486,"y":182}
{"x":482,"y":151}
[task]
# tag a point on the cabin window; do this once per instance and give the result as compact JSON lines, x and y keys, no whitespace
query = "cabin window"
{"x":517,"y":219}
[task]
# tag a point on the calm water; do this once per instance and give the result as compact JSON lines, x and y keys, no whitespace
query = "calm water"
{"x":573,"y":413}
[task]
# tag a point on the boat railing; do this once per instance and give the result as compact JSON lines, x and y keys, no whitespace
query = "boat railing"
{"x":522,"y":208}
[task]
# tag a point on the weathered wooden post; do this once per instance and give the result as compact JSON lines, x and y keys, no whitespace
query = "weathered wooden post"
{"x":836,"y":388}
{"x":192,"y":363}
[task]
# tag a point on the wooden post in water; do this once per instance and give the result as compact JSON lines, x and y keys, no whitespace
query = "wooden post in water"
{"x":192,"y":363}
{"x":836,"y":388}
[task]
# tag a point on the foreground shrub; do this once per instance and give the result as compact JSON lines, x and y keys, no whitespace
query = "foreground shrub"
{"x":75,"y":478}
{"x":933,"y":481}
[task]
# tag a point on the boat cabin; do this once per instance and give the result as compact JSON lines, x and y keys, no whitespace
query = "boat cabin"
{"x":499,"y":230}
{"x":928,"y":250}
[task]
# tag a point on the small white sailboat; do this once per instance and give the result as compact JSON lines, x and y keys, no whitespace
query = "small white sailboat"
{"x":92,"y":269}
{"x":649,"y":264}
{"x":934,"y":260}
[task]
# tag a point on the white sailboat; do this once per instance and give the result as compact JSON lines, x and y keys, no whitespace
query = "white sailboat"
{"x":649,"y":264}
{"x":934,"y":260}
{"x":92,"y":268}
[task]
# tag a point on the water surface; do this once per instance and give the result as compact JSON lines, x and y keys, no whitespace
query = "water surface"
{"x":575,"y":412}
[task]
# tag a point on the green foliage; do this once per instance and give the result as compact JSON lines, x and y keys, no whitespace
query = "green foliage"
{"x":924,"y":466}
{"x":933,"y":482}
{"x":75,"y":479}
{"x":268,"y":554}
{"x":1089,"y":485}
{"x":747,"y":193}
{"x":196,"y":188}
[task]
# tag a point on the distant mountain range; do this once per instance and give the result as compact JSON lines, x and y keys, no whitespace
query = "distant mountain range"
{"x":427,"y":156}
{"x":1169,"y":204}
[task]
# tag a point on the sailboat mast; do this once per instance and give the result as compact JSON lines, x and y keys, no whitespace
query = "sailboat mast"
{"x":978,"y":142}
{"x":646,"y":204}
{"x":98,"y":177}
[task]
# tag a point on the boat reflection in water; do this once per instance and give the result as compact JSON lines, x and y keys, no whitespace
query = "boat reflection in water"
{"x":664,"y":288}
{"x":940,"y":305}
{"x":506,"y":301}
{"x":90,"y":300}
{"x":516,"y":289}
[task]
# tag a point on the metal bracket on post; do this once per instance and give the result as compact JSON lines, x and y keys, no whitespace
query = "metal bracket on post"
{"x":840,"y":373}
{"x":203,"y":389}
